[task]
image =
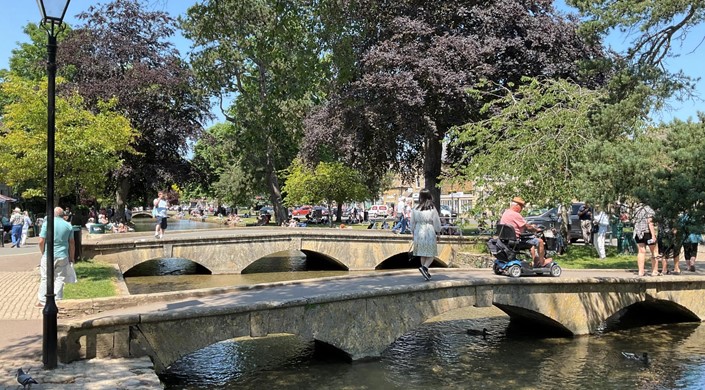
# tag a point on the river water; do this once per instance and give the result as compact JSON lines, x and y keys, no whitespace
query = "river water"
{"x":447,"y":352}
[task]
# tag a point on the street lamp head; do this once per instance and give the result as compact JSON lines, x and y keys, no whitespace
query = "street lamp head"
{"x":53,"y":11}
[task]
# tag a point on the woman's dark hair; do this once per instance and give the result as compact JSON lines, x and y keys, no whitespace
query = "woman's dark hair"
{"x":425,"y":200}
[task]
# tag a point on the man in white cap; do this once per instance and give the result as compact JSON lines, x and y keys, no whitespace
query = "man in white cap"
{"x":401,"y":205}
{"x":16,"y":220}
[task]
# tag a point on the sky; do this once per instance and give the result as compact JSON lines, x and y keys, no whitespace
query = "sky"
{"x":17,"y":13}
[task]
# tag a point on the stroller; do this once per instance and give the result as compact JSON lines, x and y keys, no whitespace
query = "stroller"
{"x":511,"y":257}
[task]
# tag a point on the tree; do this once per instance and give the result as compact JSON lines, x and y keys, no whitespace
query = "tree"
{"x":265,"y":55}
{"x":418,"y":60}
{"x":659,"y":23}
{"x":326,"y":183}
{"x":221,"y":173}
{"x":123,"y":51}
{"x":536,"y":141}
{"x":88,"y":145}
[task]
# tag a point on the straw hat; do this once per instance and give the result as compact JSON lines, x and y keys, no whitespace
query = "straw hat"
{"x":518,"y":200}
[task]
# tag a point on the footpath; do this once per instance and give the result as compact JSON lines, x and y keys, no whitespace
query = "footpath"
{"x":21,"y":326}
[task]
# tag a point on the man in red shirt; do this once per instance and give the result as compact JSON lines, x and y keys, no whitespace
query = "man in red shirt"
{"x":512,"y":217}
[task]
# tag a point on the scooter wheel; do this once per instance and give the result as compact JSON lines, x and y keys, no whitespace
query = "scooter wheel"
{"x":514,"y":271}
{"x":496,"y":270}
{"x":556,"y":270}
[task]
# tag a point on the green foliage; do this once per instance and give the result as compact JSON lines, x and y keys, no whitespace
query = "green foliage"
{"x":534,"y":142}
{"x":87,"y":144}
{"x":326,"y":183}
{"x":264,"y":53}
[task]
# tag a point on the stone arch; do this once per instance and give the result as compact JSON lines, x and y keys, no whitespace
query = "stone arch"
{"x":535,"y":321}
{"x":127,"y":271}
{"x":650,"y":312}
{"x":322,"y":261}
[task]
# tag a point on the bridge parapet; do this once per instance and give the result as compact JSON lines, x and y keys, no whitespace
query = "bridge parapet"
{"x":231,"y":251}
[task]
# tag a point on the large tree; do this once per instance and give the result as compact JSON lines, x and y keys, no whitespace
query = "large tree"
{"x":264,"y":54}
{"x":87,"y":144}
{"x":123,"y":51}
{"x":418,"y":59}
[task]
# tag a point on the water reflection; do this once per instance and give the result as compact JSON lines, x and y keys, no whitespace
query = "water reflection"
{"x":147,"y":224}
{"x":443,"y":355}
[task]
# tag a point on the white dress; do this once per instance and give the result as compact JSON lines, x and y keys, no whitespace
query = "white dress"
{"x":425,"y":225}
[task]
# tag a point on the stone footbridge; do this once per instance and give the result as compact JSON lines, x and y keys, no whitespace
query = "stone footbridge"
{"x":362,"y":316}
{"x":231,"y":251}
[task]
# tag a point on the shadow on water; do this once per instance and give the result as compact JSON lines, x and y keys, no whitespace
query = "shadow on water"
{"x":444,"y":354}
{"x":173,"y":274}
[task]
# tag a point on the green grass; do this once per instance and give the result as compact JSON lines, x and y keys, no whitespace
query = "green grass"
{"x":95,"y":280}
{"x":585,"y":257}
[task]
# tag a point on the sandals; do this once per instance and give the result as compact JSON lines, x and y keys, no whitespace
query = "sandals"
{"x":656,"y":273}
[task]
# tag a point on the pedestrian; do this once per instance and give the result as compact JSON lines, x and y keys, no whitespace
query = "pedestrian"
{"x":159,"y":211}
{"x":602,"y":220}
{"x":669,"y":242}
{"x":425,"y":226}
{"x":17,"y":221}
{"x":585,"y":217}
{"x":63,"y":255}
{"x":27,"y":222}
{"x":399,"y":211}
{"x":690,"y":247}
{"x":644,"y":236}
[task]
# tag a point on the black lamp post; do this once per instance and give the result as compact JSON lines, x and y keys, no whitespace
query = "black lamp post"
{"x":53,"y":12}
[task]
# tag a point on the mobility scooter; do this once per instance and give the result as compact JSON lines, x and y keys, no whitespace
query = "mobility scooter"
{"x":512,"y":258}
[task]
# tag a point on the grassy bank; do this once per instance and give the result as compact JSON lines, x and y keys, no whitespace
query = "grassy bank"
{"x":95,"y":280}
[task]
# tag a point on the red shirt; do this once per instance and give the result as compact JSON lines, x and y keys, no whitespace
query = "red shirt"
{"x":513,"y":219}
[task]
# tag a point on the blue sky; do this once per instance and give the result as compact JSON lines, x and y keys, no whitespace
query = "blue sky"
{"x":18,"y":13}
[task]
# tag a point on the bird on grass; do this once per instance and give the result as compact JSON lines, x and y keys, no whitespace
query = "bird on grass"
{"x":644,"y":358}
{"x":25,"y":380}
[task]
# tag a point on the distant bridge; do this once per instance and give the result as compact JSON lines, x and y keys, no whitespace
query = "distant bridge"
{"x":363,"y":316}
{"x":231,"y":251}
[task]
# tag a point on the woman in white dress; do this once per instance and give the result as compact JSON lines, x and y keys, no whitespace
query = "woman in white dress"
{"x":425,"y":225}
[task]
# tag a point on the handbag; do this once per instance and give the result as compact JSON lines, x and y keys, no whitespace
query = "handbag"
{"x":595,"y":226}
{"x":70,"y":274}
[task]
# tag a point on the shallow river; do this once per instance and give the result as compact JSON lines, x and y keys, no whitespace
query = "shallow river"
{"x":448,"y":352}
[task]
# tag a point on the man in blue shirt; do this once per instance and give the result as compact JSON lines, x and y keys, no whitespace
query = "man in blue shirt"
{"x":63,"y":255}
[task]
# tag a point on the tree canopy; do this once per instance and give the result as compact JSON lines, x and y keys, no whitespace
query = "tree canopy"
{"x":417,"y":59}
{"x":264,"y":54}
{"x":122,"y":51}
{"x":88,"y":144}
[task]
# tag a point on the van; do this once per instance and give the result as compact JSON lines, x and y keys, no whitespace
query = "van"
{"x":378,"y":211}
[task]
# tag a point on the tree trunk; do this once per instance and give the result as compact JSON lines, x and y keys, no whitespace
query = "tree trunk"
{"x":121,"y":193}
{"x":432,"y":167}
{"x":275,"y":194}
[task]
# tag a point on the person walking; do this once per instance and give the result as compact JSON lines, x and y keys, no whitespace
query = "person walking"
{"x":585,"y":217}
{"x":399,"y":212}
{"x":690,"y":247}
{"x":425,"y":225}
{"x":63,"y":254}
{"x":644,"y":235}
{"x":602,"y":220}
{"x":16,"y":220}
{"x":27,"y":223}
{"x":159,"y":211}
{"x":670,"y":241}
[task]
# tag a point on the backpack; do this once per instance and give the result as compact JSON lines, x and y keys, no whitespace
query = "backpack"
{"x":500,"y":250}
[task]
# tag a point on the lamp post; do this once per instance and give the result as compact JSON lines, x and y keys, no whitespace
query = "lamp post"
{"x":53,"y":12}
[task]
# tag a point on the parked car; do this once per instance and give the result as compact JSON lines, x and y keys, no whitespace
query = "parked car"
{"x":301,"y":211}
{"x":548,"y":218}
{"x":378,"y":211}
{"x":552,"y":218}
{"x":447,"y":212}
{"x":267,"y":209}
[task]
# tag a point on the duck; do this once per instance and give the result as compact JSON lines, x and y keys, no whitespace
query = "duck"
{"x":644,"y":358}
